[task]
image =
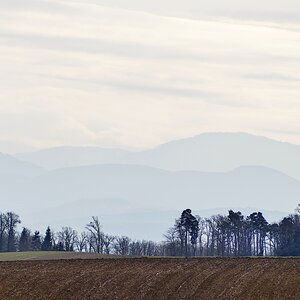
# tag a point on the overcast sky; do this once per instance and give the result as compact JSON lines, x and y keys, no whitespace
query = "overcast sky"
{"x":133,"y":73}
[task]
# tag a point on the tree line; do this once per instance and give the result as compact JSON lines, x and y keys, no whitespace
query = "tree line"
{"x":234,"y":235}
{"x":229,"y":235}
{"x":93,"y":239}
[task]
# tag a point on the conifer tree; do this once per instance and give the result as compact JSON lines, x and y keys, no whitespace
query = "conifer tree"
{"x":36,"y":241}
{"x":47,"y":244}
{"x":25,"y":240}
{"x":191,"y":228}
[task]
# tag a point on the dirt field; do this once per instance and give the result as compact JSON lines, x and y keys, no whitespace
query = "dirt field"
{"x":152,"y":278}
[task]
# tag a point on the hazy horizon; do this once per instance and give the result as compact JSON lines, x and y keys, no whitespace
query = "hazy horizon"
{"x":137,"y":149}
{"x":141,"y":149}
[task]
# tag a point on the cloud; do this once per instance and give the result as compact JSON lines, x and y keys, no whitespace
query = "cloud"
{"x":267,"y":10}
{"x":283,"y":132}
{"x":272,"y":77}
{"x":80,"y":73}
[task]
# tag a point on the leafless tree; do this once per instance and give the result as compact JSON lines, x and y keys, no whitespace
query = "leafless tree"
{"x":121,"y":245}
{"x":82,"y":242}
{"x":67,"y":237}
{"x":173,"y":244}
{"x":96,"y":235}
{"x":12,"y":220}
{"x":107,"y":242}
{"x":3,"y":227}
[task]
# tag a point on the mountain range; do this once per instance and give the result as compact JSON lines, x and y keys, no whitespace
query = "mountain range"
{"x":210,"y":152}
{"x":143,"y":192}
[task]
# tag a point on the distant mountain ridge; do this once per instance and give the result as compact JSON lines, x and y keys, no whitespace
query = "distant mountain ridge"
{"x":10,"y":166}
{"x":136,"y":189}
{"x":121,"y":194}
{"x":67,"y":156}
{"x":208,"y":152}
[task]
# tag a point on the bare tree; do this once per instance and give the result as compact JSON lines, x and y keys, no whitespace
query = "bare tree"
{"x":12,"y":220}
{"x":82,"y":242}
{"x":173,"y":244}
{"x":67,"y":237}
{"x":107,"y":242}
{"x":121,"y":245}
{"x":94,"y":228}
{"x":3,"y":227}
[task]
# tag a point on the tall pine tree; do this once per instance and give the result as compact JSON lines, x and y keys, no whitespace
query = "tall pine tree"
{"x":25,"y":240}
{"x":47,"y":244}
{"x":36,"y":241}
{"x":190,"y":226}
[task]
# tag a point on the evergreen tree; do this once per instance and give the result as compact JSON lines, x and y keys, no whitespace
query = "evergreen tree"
{"x":191,"y":229}
{"x":236,"y":223}
{"x":36,"y":241}
{"x":289,"y":239}
{"x":59,"y":247}
{"x":25,"y":240}
{"x":47,"y":244}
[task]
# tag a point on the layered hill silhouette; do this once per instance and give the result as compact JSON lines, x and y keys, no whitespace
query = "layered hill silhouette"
{"x":210,"y":152}
{"x":122,"y":194}
{"x":10,"y":166}
{"x":144,"y":191}
{"x":155,"y":188}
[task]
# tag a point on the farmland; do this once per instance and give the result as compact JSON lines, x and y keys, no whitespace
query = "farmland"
{"x":149,"y":278}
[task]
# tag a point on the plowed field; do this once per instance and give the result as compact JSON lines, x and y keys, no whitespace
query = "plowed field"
{"x":152,"y":278}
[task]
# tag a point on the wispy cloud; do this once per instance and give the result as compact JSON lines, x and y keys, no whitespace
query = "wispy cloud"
{"x":272,"y":76}
{"x":136,"y":73}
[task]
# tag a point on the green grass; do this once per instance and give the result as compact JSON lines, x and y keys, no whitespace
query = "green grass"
{"x":50,"y":255}
{"x":14,"y":256}
{"x":56,"y":255}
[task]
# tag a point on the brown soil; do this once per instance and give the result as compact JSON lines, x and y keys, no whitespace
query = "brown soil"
{"x":152,"y":278}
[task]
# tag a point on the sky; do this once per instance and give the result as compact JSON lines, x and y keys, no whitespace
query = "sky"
{"x":134,"y":74}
